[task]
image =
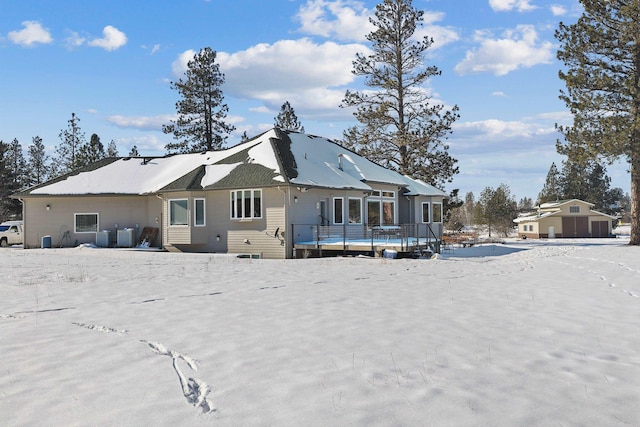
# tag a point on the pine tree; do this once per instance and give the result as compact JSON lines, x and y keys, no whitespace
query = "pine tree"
{"x":90,"y":152}
{"x":601,"y":54}
{"x":37,"y":162}
{"x":72,"y":139}
{"x":552,"y":189}
{"x":17,"y":165}
{"x":134,"y":152}
{"x":287,"y":119}
{"x":112,"y":149}
{"x":400,"y":127}
{"x":496,"y":209}
{"x":244,"y":137}
{"x":201,"y":112}
{"x":9,"y":208}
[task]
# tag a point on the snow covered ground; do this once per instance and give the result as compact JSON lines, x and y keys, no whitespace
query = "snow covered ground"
{"x":530,"y":333}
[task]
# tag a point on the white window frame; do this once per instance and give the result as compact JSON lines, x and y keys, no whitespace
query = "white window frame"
{"x":359,"y":199}
{"x":433,"y":212}
{"x":428,"y":212}
{"x":195,"y":212}
{"x":233,"y":206}
{"x":336,"y":211}
{"x":382,"y":197}
{"x":75,"y":222}
{"x":171,"y":202}
{"x":575,"y":209}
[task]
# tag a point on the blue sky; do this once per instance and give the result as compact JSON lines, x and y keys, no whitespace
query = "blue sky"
{"x":111,"y":64}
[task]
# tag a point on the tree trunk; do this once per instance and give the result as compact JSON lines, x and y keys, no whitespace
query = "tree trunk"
{"x":635,"y":199}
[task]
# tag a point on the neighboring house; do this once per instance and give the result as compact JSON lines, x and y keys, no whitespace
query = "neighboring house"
{"x":565,"y":218}
{"x":280,"y":195}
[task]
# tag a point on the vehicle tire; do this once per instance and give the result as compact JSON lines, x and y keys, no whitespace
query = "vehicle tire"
{"x":4,"y":243}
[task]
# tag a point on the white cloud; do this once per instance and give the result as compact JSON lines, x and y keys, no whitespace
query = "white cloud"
{"x":147,"y":145}
{"x":440,"y":35}
{"x":499,"y":93}
{"x":558,"y":10}
{"x":141,"y":122}
{"x":341,"y":19}
{"x":508,"y":5}
{"x":74,"y":40}
{"x":307,"y":74}
{"x":179,"y":66}
{"x":112,"y":39}
{"x":516,"y":49}
{"x":349,"y":20}
{"x":32,"y":33}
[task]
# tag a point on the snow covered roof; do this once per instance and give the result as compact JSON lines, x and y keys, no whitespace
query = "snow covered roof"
{"x":274,"y":158}
{"x":558,"y":203}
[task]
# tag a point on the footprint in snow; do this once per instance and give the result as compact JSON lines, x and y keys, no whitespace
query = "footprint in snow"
{"x":193,"y":389}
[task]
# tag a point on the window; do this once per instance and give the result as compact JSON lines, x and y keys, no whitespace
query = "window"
{"x":388,"y":209}
{"x":373,"y":212}
{"x":355,"y":211}
{"x":426,"y":207}
{"x":574,"y":209}
{"x":199,"y":213}
{"x":338,"y":211}
{"x":246,"y":204}
{"x":437,"y":212}
{"x":179,"y":212}
{"x":381,"y":208}
{"x":86,"y":223}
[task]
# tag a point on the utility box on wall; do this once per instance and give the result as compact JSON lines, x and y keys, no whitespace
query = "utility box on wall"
{"x":126,"y":238}
{"x":102,"y":238}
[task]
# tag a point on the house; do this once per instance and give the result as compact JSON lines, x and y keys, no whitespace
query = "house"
{"x":565,"y":218}
{"x":282,"y":194}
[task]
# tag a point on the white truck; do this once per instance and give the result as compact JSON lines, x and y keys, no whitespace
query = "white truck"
{"x":11,"y":233}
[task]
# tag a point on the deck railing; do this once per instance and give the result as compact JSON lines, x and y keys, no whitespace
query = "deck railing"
{"x":408,"y":236}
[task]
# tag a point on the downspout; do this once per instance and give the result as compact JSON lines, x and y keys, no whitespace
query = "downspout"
{"x":23,"y":224}
{"x":286,"y":203}
{"x":161,"y":222}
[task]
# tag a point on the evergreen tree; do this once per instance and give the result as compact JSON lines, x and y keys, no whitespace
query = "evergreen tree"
{"x":134,"y":152}
{"x":552,"y":189}
{"x":496,"y":209}
{"x":400,"y":127}
{"x":37,"y":162}
{"x":9,"y":208}
{"x":287,"y":119}
{"x":602,"y":70}
{"x":112,"y":149}
{"x":90,"y":152}
{"x":201,"y":112}
{"x":525,"y":204}
{"x":72,"y":139}
{"x":17,"y":165}
{"x":244,"y":137}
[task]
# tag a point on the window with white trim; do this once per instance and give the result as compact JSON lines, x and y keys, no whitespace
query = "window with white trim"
{"x":246,"y":204}
{"x":355,"y":210}
{"x":338,"y":210}
{"x":199,"y":212}
{"x":426,"y":212}
{"x":381,"y":208}
{"x":574,"y":209}
{"x":85,"y":223}
{"x":437,"y":212}
{"x":178,"y":212}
